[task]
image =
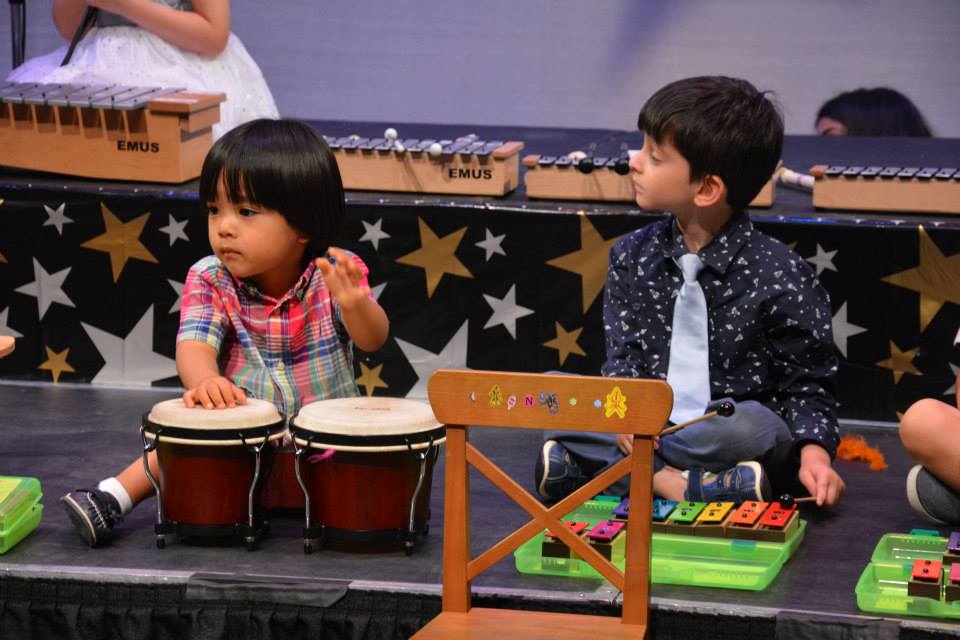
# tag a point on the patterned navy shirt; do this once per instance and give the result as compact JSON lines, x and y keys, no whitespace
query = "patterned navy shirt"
{"x":769,"y":321}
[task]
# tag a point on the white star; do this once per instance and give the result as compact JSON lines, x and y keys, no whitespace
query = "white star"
{"x":843,"y":329}
{"x":5,"y":329}
{"x":949,"y":392}
{"x":506,"y":311}
{"x":130,"y":361}
{"x":377,"y":290}
{"x":424,"y":363}
{"x":55,"y":217}
{"x":46,"y":287}
{"x":823,"y":259}
{"x":491,"y":244}
{"x":373,"y":233}
{"x":174,"y":229}
{"x":178,"y":287}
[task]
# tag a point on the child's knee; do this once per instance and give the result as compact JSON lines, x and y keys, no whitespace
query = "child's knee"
{"x":923,"y":424}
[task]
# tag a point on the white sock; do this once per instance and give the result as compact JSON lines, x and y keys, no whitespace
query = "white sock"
{"x":114,"y":488}
{"x":686,"y":474}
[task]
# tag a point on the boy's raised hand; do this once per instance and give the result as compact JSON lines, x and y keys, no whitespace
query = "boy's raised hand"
{"x":819,"y":476}
{"x":215,"y":393}
{"x":343,"y":277}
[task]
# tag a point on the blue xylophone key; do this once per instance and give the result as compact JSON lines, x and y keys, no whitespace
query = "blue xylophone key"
{"x":662,"y":509}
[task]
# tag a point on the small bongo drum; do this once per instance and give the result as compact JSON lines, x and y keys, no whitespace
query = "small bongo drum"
{"x":210,"y":463}
{"x":366,"y":468}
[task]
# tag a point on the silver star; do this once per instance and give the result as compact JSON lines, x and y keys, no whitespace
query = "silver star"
{"x":55,"y":217}
{"x":949,"y":392}
{"x":47,"y":288}
{"x":130,"y":361}
{"x":823,"y":259}
{"x":424,"y":363}
{"x":377,"y":290}
{"x":373,"y":233}
{"x":174,"y":230}
{"x":842,"y":330}
{"x":491,"y":244}
{"x":5,"y":329}
{"x":178,"y":288}
{"x":506,"y":311}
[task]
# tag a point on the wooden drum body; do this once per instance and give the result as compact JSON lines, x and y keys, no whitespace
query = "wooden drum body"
{"x":211,"y":464}
{"x":366,"y":469}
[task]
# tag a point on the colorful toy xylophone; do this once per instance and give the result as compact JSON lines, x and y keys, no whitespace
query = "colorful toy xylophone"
{"x":571,"y":177}
{"x":929,"y":189}
{"x":938,"y":579}
{"x":110,"y":132}
{"x":466,"y":165}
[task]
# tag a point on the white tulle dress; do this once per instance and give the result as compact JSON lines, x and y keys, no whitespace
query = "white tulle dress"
{"x":129,"y":55}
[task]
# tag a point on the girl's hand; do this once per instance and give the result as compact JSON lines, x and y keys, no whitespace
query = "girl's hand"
{"x":819,"y":477}
{"x":215,"y":393}
{"x":343,"y":277}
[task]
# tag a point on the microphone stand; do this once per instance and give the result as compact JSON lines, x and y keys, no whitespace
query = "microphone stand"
{"x":18,"y":31}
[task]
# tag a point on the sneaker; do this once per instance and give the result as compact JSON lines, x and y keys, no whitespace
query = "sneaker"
{"x":742,"y":483}
{"x":94,"y":514}
{"x":931,"y":498}
{"x":556,"y":474}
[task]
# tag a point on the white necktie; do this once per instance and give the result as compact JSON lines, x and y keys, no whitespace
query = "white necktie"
{"x":688,"y":373}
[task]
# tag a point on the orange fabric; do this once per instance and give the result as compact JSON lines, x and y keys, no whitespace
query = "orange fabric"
{"x":856,"y":448}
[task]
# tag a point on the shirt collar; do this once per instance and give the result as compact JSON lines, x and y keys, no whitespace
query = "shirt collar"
{"x":720,"y":252}
{"x":299,"y":290}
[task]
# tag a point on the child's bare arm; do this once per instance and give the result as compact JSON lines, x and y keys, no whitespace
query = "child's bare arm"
{"x":200,"y":375}
{"x":67,"y":16}
{"x":365,"y":320}
{"x":204,"y":30}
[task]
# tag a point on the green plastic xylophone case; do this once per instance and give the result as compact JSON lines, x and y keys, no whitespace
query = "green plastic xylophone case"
{"x":20,"y":509}
{"x":882,"y":587}
{"x":675,"y":559}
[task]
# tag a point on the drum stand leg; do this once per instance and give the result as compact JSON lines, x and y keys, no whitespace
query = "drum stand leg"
{"x":411,"y":534}
{"x":250,"y":533}
{"x":162,"y":528}
{"x":298,"y":454}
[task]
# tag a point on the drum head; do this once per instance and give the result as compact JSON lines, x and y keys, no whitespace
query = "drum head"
{"x":248,"y":423}
{"x":367,"y":424}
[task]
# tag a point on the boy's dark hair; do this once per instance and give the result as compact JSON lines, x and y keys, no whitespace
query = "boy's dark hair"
{"x":723,"y":127}
{"x":876,"y":112}
{"x":283,"y":165}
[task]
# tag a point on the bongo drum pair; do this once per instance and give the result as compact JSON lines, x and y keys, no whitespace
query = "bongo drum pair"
{"x":364,"y":466}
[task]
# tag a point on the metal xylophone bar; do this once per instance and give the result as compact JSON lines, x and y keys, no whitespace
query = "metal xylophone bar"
{"x":890,"y":173}
{"x":465,"y":148}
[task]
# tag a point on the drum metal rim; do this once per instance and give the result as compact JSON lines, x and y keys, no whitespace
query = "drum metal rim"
{"x":212,"y":437}
{"x":391,"y":442}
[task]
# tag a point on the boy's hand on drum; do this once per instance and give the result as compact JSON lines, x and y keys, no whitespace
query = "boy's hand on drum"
{"x":215,"y":393}
{"x":343,"y":276}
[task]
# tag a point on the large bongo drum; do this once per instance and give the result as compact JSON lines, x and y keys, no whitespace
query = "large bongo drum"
{"x":366,"y":468}
{"x":211,"y":462}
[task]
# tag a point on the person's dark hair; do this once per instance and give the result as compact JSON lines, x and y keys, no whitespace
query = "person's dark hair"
{"x":283,"y":165}
{"x":723,"y":127}
{"x":875,"y":112}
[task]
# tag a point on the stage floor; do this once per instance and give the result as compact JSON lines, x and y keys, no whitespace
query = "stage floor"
{"x":72,"y":436}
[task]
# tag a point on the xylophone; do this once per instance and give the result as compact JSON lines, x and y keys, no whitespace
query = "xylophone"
{"x":578,"y":177}
{"x":467,"y":165}
{"x":109,"y":132}
{"x":920,"y":189}
{"x":938,"y":579}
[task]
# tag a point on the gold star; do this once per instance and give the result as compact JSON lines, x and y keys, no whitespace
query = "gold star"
{"x":121,"y":240}
{"x":590,"y":261}
{"x":565,"y":343}
{"x":937,"y":279}
{"x":793,"y":245}
{"x":437,"y":256}
{"x":900,"y":362}
{"x":56,"y":363}
{"x":370,"y":379}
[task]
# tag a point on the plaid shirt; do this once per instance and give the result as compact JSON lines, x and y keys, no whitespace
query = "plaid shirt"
{"x":291,"y":351}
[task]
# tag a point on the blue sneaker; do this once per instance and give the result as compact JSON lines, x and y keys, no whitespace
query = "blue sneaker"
{"x":742,"y":483}
{"x":556,"y":474}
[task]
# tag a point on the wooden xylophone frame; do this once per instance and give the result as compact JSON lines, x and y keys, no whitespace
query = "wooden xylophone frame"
{"x":926,"y":190}
{"x":384,"y":168}
{"x":565,"y":182}
{"x":155,"y":136}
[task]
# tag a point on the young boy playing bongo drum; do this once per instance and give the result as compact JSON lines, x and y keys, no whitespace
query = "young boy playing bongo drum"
{"x":267,"y":315}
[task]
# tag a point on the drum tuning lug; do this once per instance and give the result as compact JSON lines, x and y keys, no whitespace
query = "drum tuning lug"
{"x":161,"y":542}
{"x":407,"y":548}
{"x":307,"y":548}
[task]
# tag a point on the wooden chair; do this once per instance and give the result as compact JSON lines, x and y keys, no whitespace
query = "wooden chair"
{"x":543,"y":401}
{"x":6,"y":346}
